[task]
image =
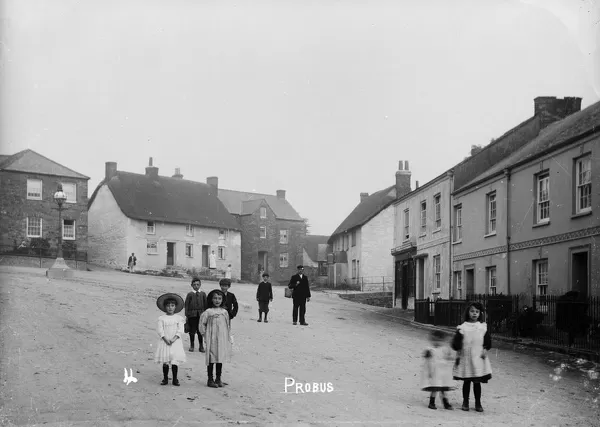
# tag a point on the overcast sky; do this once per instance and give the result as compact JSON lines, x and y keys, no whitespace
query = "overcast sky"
{"x":319,"y":98}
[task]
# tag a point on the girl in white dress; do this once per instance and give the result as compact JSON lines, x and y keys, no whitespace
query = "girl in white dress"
{"x":169,"y":349}
{"x":437,"y":368}
{"x":472,"y":342}
{"x":215,"y":327}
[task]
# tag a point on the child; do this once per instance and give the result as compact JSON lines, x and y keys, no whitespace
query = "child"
{"x":472,"y":341}
{"x":215,"y":326}
{"x":437,"y":369}
{"x":228,"y":272}
{"x":195,"y":304}
{"x":170,"y":329}
{"x":230,"y":303}
{"x":264,"y":294}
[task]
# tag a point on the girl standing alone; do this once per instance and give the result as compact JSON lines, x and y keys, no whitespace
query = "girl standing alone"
{"x":170,"y":330}
{"x":472,"y":342}
{"x":215,"y":327}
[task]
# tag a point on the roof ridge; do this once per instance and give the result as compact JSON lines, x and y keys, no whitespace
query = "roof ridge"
{"x":248,"y":192}
{"x":21,"y":153}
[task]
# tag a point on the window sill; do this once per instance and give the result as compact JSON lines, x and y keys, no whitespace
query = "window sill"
{"x":150,"y":253}
{"x":457,"y":242}
{"x":541,"y":224}
{"x":436,"y":292}
{"x":422,"y":235}
{"x":71,"y":239}
{"x":151,"y":234}
{"x":31,"y":198}
{"x":489,"y":235}
{"x":579,"y":215}
{"x":436,"y":231}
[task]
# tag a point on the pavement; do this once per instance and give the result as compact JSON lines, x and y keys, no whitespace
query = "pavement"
{"x":64,"y":345}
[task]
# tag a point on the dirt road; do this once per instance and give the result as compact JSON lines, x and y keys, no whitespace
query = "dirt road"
{"x":64,"y":344}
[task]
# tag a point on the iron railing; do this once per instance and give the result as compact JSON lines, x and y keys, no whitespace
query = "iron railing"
{"x":51,"y":252}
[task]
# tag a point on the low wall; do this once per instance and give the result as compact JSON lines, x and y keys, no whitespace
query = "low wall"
{"x":380,"y":299}
{"x":27,"y":261}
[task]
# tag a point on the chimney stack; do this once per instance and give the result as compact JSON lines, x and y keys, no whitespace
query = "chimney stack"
{"x":178,"y":174}
{"x":363,"y":196}
{"x":214,"y":181}
{"x":416,"y":184}
{"x":402,"y":179}
{"x":281,"y":194}
{"x":151,"y":170}
{"x":550,"y":109}
{"x":110,"y":170}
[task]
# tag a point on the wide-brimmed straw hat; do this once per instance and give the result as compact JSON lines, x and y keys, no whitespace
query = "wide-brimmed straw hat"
{"x":179,"y":304}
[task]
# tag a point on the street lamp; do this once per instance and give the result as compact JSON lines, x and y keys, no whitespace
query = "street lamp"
{"x":60,"y":267}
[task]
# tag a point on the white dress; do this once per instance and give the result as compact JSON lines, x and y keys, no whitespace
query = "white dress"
{"x":215,"y":328}
{"x":169,"y":327}
{"x":471,"y":365}
{"x":437,"y":369}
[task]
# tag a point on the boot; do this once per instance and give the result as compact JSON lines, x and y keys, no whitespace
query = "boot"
{"x":218,"y":381}
{"x":201,"y":349}
{"x":192,"y":343}
{"x":175,"y":380}
{"x":478,"y":407}
{"x":165,"y":380}
{"x":465,"y":405}
{"x":211,"y":381}
{"x":447,"y":404}
{"x":432,"y":403}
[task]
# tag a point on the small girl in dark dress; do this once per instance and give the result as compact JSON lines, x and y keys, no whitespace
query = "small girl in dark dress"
{"x":472,"y":342}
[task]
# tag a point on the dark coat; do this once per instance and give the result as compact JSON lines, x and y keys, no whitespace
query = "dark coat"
{"x":195,"y":304}
{"x":131,"y":259}
{"x":264,"y":292}
{"x":301,"y":290}
{"x":231,"y":305}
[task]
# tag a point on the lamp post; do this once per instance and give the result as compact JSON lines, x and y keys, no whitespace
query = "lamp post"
{"x":60,"y":267}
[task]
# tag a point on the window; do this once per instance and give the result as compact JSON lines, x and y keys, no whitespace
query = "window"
{"x":322,"y":268}
{"x":34,"y":189}
{"x":438,"y":211}
{"x":491,"y":279}
{"x":70,"y":190}
{"x":189,"y":230}
{"x":221,"y":252}
{"x":283,"y":260}
{"x":263,"y":212}
{"x":458,"y":284}
{"x":346,"y":242}
{"x":150,"y":227}
{"x":491,"y":213}
{"x":458,"y":223}
{"x":189,"y":250}
{"x":34,"y":227}
{"x":543,"y":198}
{"x":263,"y":232}
{"x":151,"y":248}
{"x":583,"y":197}
{"x":423,"y":216}
{"x":283,"y":237}
{"x":68,"y":229}
{"x":223,"y":234}
{"x":406,"y":229}
{"x":541,"y":282}
{"x":437,"y":269}
{"x":354,"y":269}
{"x":354,"y":238}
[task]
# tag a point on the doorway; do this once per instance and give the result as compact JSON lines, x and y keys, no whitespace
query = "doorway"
{"x":470,"y":281}
{"x":421,"y":275}
{"x":262,"y":262}
{"x":205,"y":262}
{"x":580,"y":273}
{"x":170,"y":253}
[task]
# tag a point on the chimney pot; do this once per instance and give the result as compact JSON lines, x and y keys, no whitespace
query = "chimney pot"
{"x":416,"y":184}
{"x":178,"y":173}
{"x":281,"y":194}
{"x":151,"y":170}
{"x":406,"y":165}
{"x":401,"y":165}
{"x":110,"y":170}
{"x":214,"y":181}
{"x":363,"y":196}
{"x":150,"y":162}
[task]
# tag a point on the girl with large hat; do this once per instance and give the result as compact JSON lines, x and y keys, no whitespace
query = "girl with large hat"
{"x":169,"y":350}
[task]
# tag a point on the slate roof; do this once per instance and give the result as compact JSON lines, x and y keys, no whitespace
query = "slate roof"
{"x":551,"y":137}
{"x":250,"y":206}
{"x":312,"y":244}
{"x":233,"y":201}
{"x":32,"y":162}
{"x":366,"y":210}
{"x":168,"y":199}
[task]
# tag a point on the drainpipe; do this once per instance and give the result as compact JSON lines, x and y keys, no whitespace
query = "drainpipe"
{"x":507,"y":175}
{"x":450,"y":231}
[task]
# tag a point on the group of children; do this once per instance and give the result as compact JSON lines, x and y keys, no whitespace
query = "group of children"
{"x":468,"y":362}
{"x":464,"y":358}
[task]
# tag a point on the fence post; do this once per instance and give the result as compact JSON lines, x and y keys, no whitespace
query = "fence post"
{"x":40,"y":255}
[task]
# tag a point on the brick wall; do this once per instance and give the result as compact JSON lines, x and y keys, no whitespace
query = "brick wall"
{"x":107,"y":231}
{"x":15,"y":208}
{"x":252,"y":244}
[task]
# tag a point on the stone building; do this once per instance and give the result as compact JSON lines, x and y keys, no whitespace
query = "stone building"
{"x":168,"y":222}
{"x":28,"y":213}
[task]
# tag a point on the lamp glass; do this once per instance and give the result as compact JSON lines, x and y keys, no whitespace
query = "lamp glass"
{"x":60,"y":196}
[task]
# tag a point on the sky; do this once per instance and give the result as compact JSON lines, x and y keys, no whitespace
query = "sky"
{"x":318,"y":98}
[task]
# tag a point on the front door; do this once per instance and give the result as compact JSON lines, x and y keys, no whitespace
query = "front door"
{"x":470,"y":281}
{"x":205,"y":262}
{"x":170,"y":253}
{"x":579,"y":266}
{"x":398,"y":281}
{"x":405,"y":284}
{"x":421,"y":278}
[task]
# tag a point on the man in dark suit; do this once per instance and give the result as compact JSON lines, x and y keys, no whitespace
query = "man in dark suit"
{"x":300,"y":295}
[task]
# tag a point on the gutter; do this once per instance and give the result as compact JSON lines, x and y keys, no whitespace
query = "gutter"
{"x":450,"y":233}
{"x":507,"y":174}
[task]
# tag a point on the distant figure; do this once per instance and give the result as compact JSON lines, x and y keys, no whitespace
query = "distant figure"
{"x":212,"y":261}
{"x":228,"y":272}
{"x":131,"y":262}
{"x":300,"y":295}
{"x":264,"y":295}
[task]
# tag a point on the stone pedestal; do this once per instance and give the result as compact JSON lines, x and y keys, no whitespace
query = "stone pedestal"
{"x":59,"y":269}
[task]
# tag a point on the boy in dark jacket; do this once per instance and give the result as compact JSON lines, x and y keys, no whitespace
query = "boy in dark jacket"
{"x":231,"y":303}
{"x":195,"y":304}
{"x":264,"y":294}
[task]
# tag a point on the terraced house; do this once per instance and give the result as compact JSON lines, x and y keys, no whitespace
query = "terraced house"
{"x":533,"y":218}
{"x":168,"y":222}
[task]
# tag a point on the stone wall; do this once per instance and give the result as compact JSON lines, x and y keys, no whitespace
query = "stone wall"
{"x":45,"y":263}
{"x":380,"y":299}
